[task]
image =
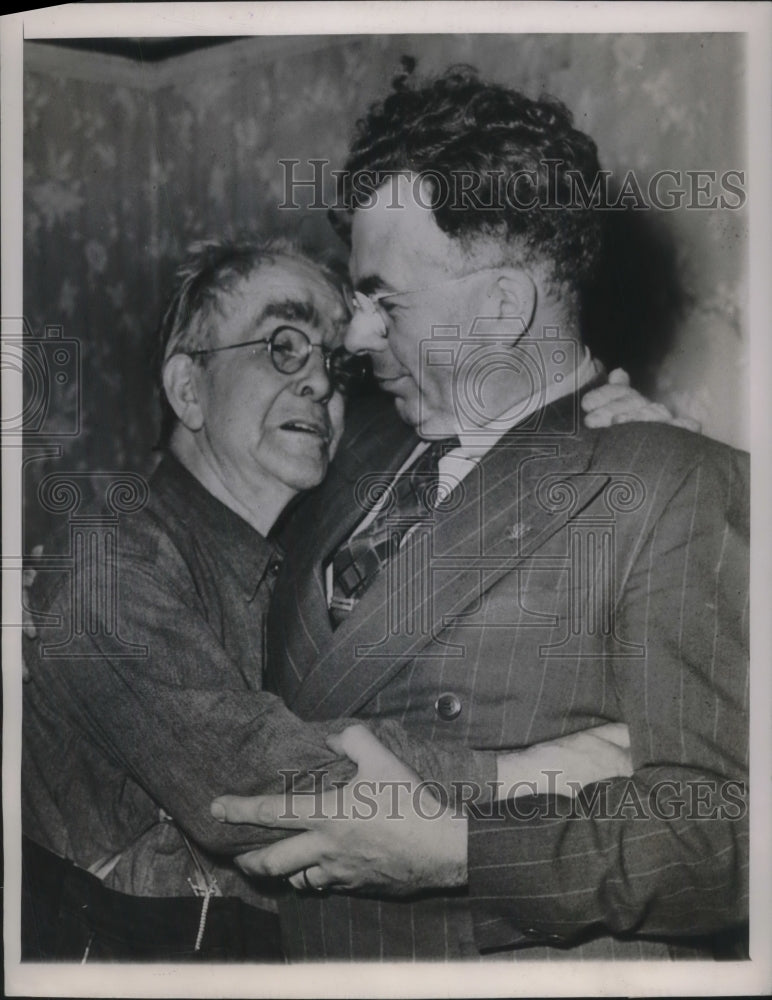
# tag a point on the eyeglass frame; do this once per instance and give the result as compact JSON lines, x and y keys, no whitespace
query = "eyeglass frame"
{"x":329,"y":356}
{"x":375,"y":298}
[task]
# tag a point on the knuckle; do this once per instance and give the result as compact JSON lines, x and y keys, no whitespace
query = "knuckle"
{"x":247,"y":863}
{"x":267,"y":866}
{"x":264,"y":814}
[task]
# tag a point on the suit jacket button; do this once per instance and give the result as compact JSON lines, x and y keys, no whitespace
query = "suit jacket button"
{"x":448,"y":706}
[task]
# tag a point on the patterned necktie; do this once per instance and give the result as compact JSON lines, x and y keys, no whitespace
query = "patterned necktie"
{"x":413,"y":495}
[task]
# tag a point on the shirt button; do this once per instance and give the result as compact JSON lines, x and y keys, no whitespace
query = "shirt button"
{"x":273,"y":567}
{"x":448,"y":706}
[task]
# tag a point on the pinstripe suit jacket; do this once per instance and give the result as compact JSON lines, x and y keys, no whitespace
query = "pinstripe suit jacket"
{"x":575,"y":577}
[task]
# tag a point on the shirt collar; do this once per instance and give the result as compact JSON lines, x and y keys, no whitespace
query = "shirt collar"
{"x":240,"y":549}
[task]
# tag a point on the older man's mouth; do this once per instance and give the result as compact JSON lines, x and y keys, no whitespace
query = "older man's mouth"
{"x":311,"y":428}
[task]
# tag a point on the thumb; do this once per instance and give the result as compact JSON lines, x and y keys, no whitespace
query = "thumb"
{"x":619,"y":377}
{"x":688,"y":423}
{"x":370,"y":755}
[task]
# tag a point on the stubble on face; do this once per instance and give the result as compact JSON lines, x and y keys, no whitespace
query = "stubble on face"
{"x":268,"y":435}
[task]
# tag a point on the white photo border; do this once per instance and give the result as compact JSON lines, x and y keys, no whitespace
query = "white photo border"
{"x":753,"y":977}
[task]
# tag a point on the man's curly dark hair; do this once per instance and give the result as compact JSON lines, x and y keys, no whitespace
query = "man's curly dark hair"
{"x":457,"y":126}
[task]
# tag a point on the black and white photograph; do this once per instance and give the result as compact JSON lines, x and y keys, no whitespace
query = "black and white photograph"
{"x":384,"y":414}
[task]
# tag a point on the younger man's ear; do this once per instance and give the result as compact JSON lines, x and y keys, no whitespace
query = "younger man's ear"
{"x":515,"y":295}
{"x":181,"y":387}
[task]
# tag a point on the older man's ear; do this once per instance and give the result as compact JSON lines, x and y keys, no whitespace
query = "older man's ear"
{"x":181,"y":379}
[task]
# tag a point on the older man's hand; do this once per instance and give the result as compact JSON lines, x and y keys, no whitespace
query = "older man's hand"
{"x":617,"y":403}
{"x":388,"y":832}
{"x":384,"y":831}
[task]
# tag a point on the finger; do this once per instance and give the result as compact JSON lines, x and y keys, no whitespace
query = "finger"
{"x":370,"y":755}
{"x":648,"y":413}
{"x":37,"y":550}
{"x":284,"y":812}
{"x":24,"y":672}
{"x":309,"y":879}
{"x":283,"y":858}
{"x":296,"y":881}
{"x":635,"y":416}
{"x":688,"y":423}
{"x":619,"y":377}
{"x":628,"y":407}
{"x":606,"y":395}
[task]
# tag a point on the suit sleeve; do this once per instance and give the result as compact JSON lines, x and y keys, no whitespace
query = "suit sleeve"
{"x":664,"y":852}
{"x":180,"y":721}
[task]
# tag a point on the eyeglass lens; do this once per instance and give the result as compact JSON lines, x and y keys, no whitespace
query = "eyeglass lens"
{"x":290,"y":349}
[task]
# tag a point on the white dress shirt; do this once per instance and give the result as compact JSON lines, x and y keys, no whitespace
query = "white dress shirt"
{"x":458,"y":463}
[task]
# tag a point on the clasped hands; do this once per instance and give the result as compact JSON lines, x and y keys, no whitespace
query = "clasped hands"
{"x":389,"y":833}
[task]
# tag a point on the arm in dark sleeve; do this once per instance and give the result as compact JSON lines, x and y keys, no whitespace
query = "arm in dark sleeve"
{"x":180,"y":719}
{"x":666,"y":852}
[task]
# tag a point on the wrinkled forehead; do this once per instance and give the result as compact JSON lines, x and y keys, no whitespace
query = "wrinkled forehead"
{"x":298,"y":292}
{"x":395,"y":236}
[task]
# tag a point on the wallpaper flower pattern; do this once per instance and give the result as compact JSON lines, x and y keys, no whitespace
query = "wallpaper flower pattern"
{"x":125,"y":164}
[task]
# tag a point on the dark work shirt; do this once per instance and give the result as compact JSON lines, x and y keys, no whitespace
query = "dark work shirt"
{"x":156,"y":702}
{"x":107,"y":736}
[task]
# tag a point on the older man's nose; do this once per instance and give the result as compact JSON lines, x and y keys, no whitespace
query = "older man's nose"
{"x":366,"y":332}
{"x":314,"y":378}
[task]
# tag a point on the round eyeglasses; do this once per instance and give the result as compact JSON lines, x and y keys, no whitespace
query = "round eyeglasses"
{"x":289,"y":349}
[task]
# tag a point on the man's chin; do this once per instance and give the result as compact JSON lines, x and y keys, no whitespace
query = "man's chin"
{"x":406,"y":412}
{"x":306,"y":478}
{"x":425,"y":425}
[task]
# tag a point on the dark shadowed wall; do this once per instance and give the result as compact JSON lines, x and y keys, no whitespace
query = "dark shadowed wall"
{"x":127,"y":161}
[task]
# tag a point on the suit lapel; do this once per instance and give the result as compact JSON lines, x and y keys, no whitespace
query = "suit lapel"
{"x":299,"y":631}
{"x":502,"y":513}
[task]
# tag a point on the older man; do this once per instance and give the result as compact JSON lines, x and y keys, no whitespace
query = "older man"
{"x":136,"y":709}
{"x":559,"y":577}
{"x":122,"y":754}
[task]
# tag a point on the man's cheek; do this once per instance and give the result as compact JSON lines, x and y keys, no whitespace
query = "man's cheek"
{"x":333,"y":448}
{"x":402,"y":410}
{"x":337,"y":420}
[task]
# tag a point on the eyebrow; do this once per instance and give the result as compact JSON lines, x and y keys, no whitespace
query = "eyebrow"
{"x":371,"y":283}
{"x":303,"y":310}
{"x":290,"y":310}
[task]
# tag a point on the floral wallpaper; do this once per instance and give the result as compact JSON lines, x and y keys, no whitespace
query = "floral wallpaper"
{"x":126,"y":163}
